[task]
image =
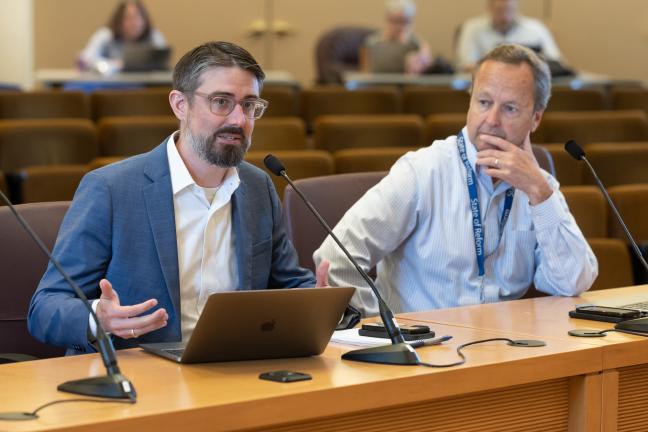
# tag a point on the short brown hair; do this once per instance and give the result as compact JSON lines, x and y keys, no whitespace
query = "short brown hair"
{"x":517,"y":54}
{"x":188,"y":71}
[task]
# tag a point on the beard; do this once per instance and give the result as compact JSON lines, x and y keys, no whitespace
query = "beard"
{"x":224,"y":156}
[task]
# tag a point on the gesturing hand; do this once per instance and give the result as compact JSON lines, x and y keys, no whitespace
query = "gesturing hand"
{"x":124,"y":321}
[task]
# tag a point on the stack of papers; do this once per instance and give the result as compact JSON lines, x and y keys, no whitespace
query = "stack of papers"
{"x":351,"y":337}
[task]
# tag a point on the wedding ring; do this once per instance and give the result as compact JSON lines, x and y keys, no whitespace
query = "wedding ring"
{"x":133,"y":333}
{"x":497,"y":163}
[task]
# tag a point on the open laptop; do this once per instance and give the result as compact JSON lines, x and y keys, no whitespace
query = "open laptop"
{"x":260,"y":324}
{"x":145,"y":58}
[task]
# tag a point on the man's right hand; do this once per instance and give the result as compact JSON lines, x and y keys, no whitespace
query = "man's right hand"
{"x":124,"y":321}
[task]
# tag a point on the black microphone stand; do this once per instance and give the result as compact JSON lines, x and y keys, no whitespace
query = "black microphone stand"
{"x":114,"y":384}
{"x":399,"y":352}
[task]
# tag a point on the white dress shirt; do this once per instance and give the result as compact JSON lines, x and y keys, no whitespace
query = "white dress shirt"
{"x":206,"y":248}
{"x":478,"y":36}
{"x":416,"y":226}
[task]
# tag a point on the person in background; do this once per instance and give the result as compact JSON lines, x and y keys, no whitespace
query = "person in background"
{"x":473,"y":218}
{"x":396,"y":49}
{"x":129,"y":24}
{"x":502,"y":24}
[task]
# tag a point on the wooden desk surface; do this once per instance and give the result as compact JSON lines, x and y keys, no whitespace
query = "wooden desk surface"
{"x":547,"y":318}
{"x":229,"y":396}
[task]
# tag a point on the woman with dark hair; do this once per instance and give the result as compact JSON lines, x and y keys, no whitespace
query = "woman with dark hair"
{"x":129,"y":24}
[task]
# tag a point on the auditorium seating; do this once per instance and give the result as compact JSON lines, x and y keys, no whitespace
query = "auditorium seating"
{"x":613,"y":259}
{"x":368,"y":159}
{"x":332,"y":196}
{"x":335,"y":132}
{"x":618,"y":163}
{"x":299,"y":164}
{"x":566,"y":99}
{"x":22,"y":264}
{"x":434,"y":100}
{"x":43,"y":105}
{"x":25,"y":143}
{"x":145,"y":102}
{"x":441,"y":126}
{"x":284,"y":100}
{"x":592,"y":126}
{"x":50,"y":182}
{"x":279,"y":133}
{"x":588,"y":206}
{"x":630,"y":99}
{"x":632,"y":203}
{"x":324,"y":100}
{"x":127,"y":136}
{"x":569,"y":171}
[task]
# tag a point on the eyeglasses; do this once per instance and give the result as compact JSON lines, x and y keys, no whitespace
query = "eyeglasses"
{"x":253,"y":108}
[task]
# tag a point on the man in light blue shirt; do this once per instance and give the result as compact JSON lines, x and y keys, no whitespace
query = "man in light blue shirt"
{"x":472,"y":218}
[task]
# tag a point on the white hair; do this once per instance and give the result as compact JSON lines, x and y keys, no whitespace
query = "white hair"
{"x":407,"y":7}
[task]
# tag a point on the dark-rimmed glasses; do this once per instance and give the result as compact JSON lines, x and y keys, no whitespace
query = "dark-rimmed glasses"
{"x":223,"y":105}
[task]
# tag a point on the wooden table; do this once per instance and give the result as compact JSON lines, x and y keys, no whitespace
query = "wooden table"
{"x":624,"y":357}
{"x":500,"y":388}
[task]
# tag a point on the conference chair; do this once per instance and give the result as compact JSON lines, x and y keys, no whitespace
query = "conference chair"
{"x":441,"y":126}
{"x":145,"y":102}
{"x":127,"y":136}
{"x":592,"y":126}
{"x":434,"y":100}
{"x":284,"y":100}
{"x":566,"y":99}
{"x":368,"y":159}
{"x":26,"y":143}
{"x":325,"y":100}
{"x":337,"y":51}
{"x":299,"y":164}
{"x":544,"y":159}
{"x":335,"y":132}
{"x":332,"y":196}
{"x":630,"y":99}
{"x":569,"y":172}
{"x":614,"y":263}
{"x":632,"y":203}
{"x":22,"y":264}
{"x":43,"y":104}
{"x":279,"y":133}
{"x":618,"y":163}
{"x":50,"y":182}
{"x":3,"y":185}
{"x":589,"y":208}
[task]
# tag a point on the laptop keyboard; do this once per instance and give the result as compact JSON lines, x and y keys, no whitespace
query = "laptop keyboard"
{"x":174,"y":352}
{"x":642,"y":306}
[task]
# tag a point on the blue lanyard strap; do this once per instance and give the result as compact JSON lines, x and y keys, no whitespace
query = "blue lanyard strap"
{"x":478,"y":229}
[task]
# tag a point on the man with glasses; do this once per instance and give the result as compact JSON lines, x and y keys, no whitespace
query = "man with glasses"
{"x":170,"y":227}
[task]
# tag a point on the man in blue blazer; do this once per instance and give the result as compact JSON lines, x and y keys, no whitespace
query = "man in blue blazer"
{"x":169,"y":227}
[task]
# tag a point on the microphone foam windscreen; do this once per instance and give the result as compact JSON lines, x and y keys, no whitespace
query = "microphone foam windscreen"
{"x":574,"y":150}
{"x":273,"y":164}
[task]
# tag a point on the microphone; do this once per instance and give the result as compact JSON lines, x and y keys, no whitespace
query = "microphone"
{"x":114,"y":385}
{"x":578,"y":153}
{"x":398,"y":352}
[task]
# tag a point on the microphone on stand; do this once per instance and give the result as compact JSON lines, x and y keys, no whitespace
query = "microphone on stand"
{"x":114,"y":385}
{"x":398,"y":352}
{"x":577,"y":152}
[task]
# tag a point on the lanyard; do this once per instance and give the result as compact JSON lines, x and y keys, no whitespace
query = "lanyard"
{"x":478,"y":229}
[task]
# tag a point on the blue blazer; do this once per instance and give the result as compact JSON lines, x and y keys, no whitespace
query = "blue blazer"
{"x":121,"y":226}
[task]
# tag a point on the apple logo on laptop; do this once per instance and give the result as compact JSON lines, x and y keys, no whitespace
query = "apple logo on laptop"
{"x":268,"y":326}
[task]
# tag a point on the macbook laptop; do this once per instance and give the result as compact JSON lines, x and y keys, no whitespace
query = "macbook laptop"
{"x":145,"y":58}
{"x":260,"y":324}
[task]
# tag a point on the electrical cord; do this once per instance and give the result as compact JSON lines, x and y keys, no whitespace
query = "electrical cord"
{"x":34,"y":414}
{"x":463,"y":356}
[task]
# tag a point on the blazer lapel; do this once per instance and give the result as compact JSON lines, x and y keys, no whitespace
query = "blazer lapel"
{"x":241,"y":224}
{"x":159,"y":205}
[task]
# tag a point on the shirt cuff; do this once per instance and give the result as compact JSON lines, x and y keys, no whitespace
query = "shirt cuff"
{"x":91,"y":322}
{"x":549,"y":213}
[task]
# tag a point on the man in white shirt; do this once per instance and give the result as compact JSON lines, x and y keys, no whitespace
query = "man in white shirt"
{"x":172,"y":226}
{"x":503,"y":24}
{"x":472,"y":218}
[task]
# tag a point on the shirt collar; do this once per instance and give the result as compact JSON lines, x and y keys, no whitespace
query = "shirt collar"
{"x":180,"y":176}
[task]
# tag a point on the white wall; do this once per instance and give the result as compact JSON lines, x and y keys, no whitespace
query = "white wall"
{"x":16,"y":42}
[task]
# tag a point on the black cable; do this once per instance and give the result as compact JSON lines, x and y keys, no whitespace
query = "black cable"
{"x":33,"y":415}
{"x":462,"y":355}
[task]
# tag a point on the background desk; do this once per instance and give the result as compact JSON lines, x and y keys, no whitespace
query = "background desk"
{"x":501,"y":388}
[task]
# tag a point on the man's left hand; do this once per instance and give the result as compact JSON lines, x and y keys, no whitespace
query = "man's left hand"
{"x":516,"y":166}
